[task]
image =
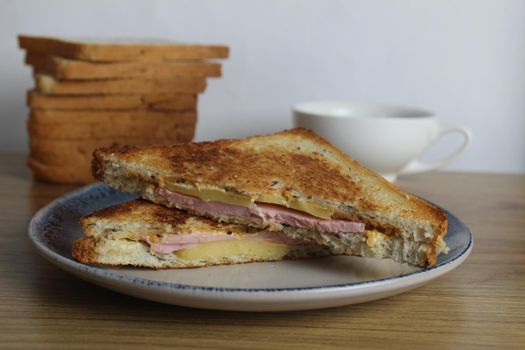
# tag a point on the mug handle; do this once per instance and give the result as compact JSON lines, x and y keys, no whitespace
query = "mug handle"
{"x":417,"y":166}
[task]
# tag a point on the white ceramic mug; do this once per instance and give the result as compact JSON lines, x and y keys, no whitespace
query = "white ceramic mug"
{"x":385,"y":138}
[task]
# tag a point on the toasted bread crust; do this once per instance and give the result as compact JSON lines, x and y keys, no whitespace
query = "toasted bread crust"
{"x":84,"y":250}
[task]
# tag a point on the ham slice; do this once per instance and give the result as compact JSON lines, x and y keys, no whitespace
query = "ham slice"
{"x":262,"y":212}
{"x":172,"y":242}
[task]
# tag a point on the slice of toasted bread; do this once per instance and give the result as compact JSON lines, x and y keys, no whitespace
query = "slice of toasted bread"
{"x":60,"y":152}
{"x":77,"y":125}
{"x":109,"y":117}
{"x":46,"y":84}
{"x":62,"y":68}
{"x":75,"y":172}
{"x":155,"y":102}
{"x":295,"y":168}
{"x":41,"y":63}
{"x":69,"y":161}
{"x":115,"y":236}
{"x":115,"y":50}
{"x":92,"y":131}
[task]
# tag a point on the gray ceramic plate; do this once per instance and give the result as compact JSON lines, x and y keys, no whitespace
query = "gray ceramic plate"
{"x":274,"y":286}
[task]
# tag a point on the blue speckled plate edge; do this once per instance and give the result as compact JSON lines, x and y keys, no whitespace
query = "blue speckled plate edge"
{"x":101,"y":276}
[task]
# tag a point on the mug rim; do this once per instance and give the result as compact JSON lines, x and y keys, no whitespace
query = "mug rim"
{"x":308,"y":108}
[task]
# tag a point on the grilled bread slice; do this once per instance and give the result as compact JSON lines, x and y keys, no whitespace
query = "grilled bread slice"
{"x":144,"y":234}
{"x":295,"y":170}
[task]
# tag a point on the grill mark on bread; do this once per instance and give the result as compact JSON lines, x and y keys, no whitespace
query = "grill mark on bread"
{"x":200,"y":162}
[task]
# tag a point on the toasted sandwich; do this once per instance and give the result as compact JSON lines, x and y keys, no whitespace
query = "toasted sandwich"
{"x":143,"y":234}
{"x":293,"y":182}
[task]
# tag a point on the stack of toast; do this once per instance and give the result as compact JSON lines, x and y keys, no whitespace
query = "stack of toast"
{"x":91,"y":94}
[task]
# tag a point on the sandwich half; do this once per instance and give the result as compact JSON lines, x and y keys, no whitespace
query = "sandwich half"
{"x":143,"y":234}
{"x":293,"y":182}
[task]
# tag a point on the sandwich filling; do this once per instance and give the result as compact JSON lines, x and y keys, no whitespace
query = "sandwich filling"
{"x":262,"y":212}
{"x":175,"y":242}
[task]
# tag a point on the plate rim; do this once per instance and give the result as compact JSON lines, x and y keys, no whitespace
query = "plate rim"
{"x":102,"y":272}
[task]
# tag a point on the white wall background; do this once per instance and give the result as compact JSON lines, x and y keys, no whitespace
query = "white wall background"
{"x":464,"y":59}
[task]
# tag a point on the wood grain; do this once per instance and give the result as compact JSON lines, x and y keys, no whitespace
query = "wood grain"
{"x":479,"y":305}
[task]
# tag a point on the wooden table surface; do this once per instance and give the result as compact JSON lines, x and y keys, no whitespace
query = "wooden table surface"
{"x":479,"y":305}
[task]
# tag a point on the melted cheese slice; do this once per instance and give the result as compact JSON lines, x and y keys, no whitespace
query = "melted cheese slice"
{"x":232,"y":248}
{"x":213,"y":194}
